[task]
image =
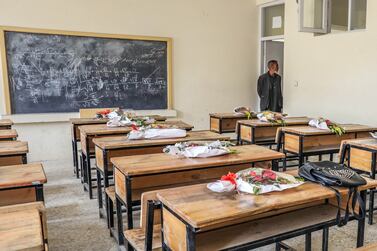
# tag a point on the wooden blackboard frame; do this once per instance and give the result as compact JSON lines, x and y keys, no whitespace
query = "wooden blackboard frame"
{"x":4,"y":62}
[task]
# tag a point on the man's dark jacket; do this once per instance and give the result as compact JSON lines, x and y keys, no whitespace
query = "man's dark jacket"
{"x":270,"y":93}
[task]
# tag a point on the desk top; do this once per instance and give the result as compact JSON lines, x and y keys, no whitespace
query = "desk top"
{"x":123,"y":141}
{"x":309,"y":130}
{"x":228,"y":115}
{"x":13,"y":147}
{"x":103,"y":129}
{"x":288,"y":121}
{"x":201,"y":208}
{"x":22,"y":175}
{"x":162,"y":162}
{"x":21,"y":230}
{"x":85,"y":121}
{"x":8,"y":134}
{"x":371,"y":247}
{"x":369,"y":143}
{"x":6,"y":122}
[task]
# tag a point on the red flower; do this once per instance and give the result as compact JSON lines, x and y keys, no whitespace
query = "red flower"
{"x":328,"y":122}
{"x":253,"y":173}
{"x":231,"y":177}
{"x":268,"y":174}
{"x":104,"y":112}
{"x":135,"y":128}
{"x":258,"y":178}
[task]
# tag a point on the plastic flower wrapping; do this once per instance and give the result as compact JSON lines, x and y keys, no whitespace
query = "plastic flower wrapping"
{"x":325,"y":124}
{"x":255,"y":181}
{"x":199,"y":149}
{"x":156,"y":131}
{"x":272,"y":117}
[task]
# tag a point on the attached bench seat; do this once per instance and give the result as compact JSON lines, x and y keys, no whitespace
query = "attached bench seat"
{"x":110,"y":192}
{"x":136,"y":237}
{"x":262,"y":229}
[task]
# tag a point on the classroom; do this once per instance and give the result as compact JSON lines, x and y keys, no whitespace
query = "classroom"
{"x":188,"y":125}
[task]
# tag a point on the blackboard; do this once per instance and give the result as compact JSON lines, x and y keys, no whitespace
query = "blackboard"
{"x":63,"y":72}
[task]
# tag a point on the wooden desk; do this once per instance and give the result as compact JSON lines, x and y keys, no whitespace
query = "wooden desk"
{"x":21,"y":184}
{"x":13,"y":152}
{"x":23,"y":227}
{"x":8,"y":134}
{"x":305,"y":141}
{"x":371,"y":247}
{"x":361,"y":155}
{"x":5,"y":124}
{"x":224,"y":122}
{"x":109,"y":147}
{"x":75,"y":134}
{"x":137,"y":174}
{"x":195,"y":218}
{"x":263,"y":133}
{"x":89,"y":132}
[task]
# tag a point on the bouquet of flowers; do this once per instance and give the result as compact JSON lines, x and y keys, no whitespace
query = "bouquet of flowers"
{"x":121,"y":118}
{"x":244,"y":110}
{"x":326,"y":124}
{"x":102,"y":114}
{"x":255,"y":181}
{"x":272,"y":117}
{"x":199,"y":149}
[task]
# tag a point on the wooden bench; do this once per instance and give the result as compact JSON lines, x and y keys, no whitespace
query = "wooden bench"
{"x":109,"y":147}
{"x":371,"y":247}
{"x":135,"y":175}
{"x":13,"y":152}
{"x":8,"y":134}
{"x":5,"y":124}
{"x":23,"y":227}
{"x":148,"y":236}
{"x":109,"y":206}
{"x":21,"y":183}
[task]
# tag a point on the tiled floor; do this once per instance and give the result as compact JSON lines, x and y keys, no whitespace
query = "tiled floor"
{"x":74,"y":224}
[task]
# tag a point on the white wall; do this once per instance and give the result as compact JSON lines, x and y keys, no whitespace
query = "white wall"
{"x":214,"y":52}
{"x":335,"y":72}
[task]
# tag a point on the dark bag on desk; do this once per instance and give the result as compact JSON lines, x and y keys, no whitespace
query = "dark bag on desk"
{"x":334,"y":175}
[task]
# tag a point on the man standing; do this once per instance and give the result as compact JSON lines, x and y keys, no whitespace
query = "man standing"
{"x":269,"y":89}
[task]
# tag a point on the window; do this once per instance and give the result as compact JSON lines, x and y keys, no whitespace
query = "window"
{"x":325,"y":16}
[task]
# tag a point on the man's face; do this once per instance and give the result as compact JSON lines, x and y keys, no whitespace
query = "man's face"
{"x":273,"y":68}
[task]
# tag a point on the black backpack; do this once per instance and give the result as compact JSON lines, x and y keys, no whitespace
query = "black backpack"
{"x":334,"y":175}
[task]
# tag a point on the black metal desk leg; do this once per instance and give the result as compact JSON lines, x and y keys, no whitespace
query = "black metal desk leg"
{"x":73,"y":157}
{"x":361,"y":223}
{"x":39,"y":193}
{"x":24,"y":159}
{"x":372,"y":191}
{"x":325,"y":239}
{"x":99,"y":192}
{"x":129,"y":204}
{"x":118,"y":205}
{"x":308,"y":242}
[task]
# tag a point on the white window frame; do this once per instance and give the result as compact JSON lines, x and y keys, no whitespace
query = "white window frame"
{"x":326,"y":18}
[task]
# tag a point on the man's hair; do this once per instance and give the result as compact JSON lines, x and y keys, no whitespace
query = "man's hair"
{"x":272,"y":62}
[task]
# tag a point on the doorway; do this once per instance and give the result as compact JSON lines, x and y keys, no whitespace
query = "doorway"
{"x":272,"y":35}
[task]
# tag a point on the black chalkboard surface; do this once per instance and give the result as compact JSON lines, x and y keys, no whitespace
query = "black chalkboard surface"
{"x":63,"y":73}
